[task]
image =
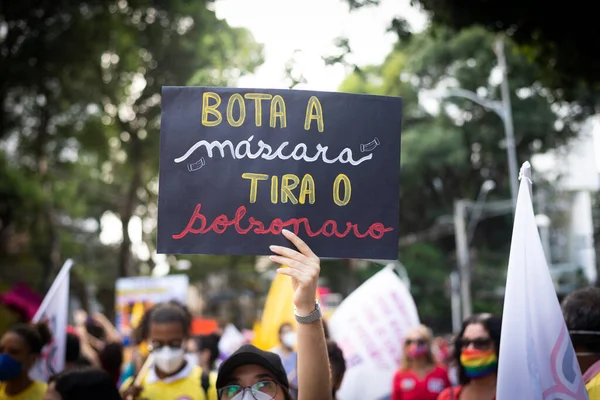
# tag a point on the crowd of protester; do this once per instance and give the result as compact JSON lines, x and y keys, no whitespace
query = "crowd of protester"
{"x":164,"y":361}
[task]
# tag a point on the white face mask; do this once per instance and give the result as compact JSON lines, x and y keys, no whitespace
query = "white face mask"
{"x":168,"y":359}
{"x":289,"y":339}
{"x":247,"y":395}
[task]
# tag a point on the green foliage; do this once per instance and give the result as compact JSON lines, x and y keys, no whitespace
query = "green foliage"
{"x":447,"y":155}
{"x":80,"y":85}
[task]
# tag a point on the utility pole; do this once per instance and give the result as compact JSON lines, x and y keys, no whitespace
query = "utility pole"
{"x":462,"y":256}
{"x":508,"y":121}
{"x":455,"y":301}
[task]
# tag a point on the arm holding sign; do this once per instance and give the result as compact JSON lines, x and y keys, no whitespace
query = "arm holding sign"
{"x":313,"y":361}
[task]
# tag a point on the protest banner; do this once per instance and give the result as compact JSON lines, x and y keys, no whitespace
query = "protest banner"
{"x":370,"y":326}
{"x":54,"y":311}
{"x":238,"y":165}
{"x":135,"y":295}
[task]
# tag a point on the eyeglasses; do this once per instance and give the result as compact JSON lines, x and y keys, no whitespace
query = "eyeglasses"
{"x":174,"y":344}
{"x":478,"y":344}
{"x":418,"y":342}
{"x":232,"y":392}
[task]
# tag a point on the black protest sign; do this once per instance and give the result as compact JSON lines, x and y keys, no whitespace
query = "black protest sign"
{"x":238,"y":165}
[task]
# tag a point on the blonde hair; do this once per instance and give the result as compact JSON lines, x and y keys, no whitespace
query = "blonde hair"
{"x":422,"y":332}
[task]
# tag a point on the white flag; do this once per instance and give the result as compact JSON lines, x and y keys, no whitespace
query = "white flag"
{"x":54,"y":311}
{"x":537,"y":360}
{"x":369,"y":326}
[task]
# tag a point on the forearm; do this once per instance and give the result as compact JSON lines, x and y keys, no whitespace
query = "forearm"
{"x":313,"y":363}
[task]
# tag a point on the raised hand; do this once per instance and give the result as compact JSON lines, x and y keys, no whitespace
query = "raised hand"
{"x":303,"y":267}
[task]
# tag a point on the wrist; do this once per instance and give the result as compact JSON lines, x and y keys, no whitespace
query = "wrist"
{"x":305,"y":309}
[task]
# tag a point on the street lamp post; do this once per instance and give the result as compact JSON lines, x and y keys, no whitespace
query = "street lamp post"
{"x":504,"y":110}
{"x":463,"y":234}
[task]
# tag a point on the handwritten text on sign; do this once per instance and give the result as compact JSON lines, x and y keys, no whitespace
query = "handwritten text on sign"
{"x":238,"y":166}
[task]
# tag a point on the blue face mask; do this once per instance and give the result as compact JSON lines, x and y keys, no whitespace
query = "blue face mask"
{"x":9,"y":367}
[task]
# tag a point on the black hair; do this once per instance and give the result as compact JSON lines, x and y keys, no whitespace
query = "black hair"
{"x":95,"y":329}
{"x":336,"y":361}
{"x":164,"y":313}
{"x":210,"y":343}
{"x":492,"y":325}
{"x":36,"y":336}
{"x":581,"y":310}
{"x":285,"y":325}
{"x":85,"y":383}
{"x":111,"y":359}
{"x":141,"y":332}
{"x":73,"y":348}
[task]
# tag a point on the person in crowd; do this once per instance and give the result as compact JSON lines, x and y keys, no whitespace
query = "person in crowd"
{"x":20,"y":347}
{"x":82,"y":384}
{"x":111,"y":360}
{"x":338,"y":366}
{"x":204,"y":351}
{"x":140,"y":350}
{"x":171,"y":376}
{"x":476,"y":352}
{"x":581,"y":310}
{"x":250,"y":373}
{"x":419,"y":378}
{"x":73,"y":352}
{"x":288,"y":355}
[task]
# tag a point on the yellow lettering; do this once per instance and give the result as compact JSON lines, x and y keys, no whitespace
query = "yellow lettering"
{"x":236,"y":98}
{"x":274,"y":190}
{"x":278,"y":111}
{"x":347,"y":190}
{"x":211,"y":109}
{"x":254,"y":178}
{"x":258,"y":98}
{"x":287,"y":187}
{"x":314,"y":111}
{"x":307,"y":187}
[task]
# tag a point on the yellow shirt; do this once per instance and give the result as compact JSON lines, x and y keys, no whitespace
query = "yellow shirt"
{"x":185,"y":385}
{"x":593,"y":388}
{"x":35,"y":391}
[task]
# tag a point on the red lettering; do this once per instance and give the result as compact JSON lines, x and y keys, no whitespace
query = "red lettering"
{"x":221,"y":223}
{"x":190,"y":226}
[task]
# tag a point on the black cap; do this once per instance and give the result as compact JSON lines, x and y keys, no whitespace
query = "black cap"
{"x":251,"y":355}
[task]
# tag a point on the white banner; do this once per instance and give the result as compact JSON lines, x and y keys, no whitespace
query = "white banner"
{"x":137,"y":294}
{"x":55,"y":312}
{"x":538,"y":359}
{"x":370,"y":326}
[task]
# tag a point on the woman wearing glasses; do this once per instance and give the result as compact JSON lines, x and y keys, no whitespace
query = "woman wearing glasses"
{"x":253,"y":374}
{"x":419,"y":378}
{"x":476,"y":351}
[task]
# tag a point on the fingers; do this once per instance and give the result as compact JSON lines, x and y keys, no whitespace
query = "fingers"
{"x":294,"y":273}
{"x":289,"y":253}
{"x":287,"y":261}
{"x":300,"y":245}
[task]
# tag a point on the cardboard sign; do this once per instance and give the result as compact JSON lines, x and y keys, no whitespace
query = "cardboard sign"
{"x":239,"y":165}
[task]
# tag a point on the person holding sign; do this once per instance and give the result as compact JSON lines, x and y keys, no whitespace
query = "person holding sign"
{"x":170,"y":376}
{"x":253,"y":374}
{"x":20,"y":348}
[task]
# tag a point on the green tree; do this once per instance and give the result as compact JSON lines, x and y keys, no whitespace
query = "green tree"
{"x":449,"y":154}
{"x":562,"y":40}
{"x":79,"y":126}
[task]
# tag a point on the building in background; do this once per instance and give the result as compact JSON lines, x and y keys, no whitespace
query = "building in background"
{"x":566,"y":207}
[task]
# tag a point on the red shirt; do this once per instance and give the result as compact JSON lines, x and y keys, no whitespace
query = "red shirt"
{"x":408,"y":386}
{"x":448,"y":395}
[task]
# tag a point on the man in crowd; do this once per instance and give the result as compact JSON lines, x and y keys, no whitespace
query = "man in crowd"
{"x":581,"y":310}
